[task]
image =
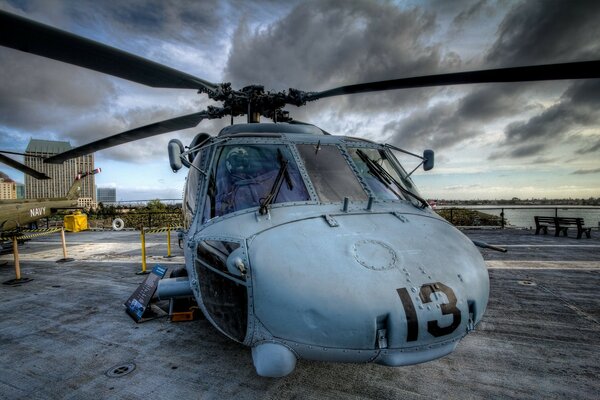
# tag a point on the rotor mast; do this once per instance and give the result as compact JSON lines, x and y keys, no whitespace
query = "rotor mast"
{"x":253,"y":115}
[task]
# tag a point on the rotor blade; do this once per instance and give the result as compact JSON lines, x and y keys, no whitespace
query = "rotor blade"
{"x":36,"y":38}
{"x":574,"y":70}
{"x":143,"y":132}
{"x":21,"y":154}
{"x":22,"y":167}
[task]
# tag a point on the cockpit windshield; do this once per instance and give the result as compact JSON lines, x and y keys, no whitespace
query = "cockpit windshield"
{"x":244,"y":176}
{"x":330,"y":173}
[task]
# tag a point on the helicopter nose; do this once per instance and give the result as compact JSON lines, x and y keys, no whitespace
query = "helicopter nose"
{"x":413,"y":284}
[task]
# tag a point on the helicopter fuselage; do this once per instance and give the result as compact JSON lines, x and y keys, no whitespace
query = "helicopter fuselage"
{"x":299,"y":243}
{"x":20,"y":213}
{"x":341,"y":265}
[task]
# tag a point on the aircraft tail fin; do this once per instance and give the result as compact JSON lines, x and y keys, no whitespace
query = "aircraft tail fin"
{"x":75,"y":189}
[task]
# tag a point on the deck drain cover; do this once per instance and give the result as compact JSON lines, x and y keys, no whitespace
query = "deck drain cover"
{"x":120,"y":370}
{"x":527,"y":283}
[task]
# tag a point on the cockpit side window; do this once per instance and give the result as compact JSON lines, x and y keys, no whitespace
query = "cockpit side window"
{"x":244,"y":175}
{"x":330,"y":173}
{"x":379,"y":173}
{"x":193,"y":182}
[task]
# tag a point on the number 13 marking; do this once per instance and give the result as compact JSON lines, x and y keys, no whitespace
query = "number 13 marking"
{"x":433,"y":327}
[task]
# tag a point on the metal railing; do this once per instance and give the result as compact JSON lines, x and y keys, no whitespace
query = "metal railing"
{"x":523,"y":216}
{"x":135,"y":220}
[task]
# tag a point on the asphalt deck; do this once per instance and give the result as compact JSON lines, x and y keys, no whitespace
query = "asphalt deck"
{"x":62,"y":334}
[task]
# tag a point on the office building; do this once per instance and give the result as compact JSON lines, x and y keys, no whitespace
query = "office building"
{"x":62,"y":175}
{"x":8,"y":187}
{"x":106,"y":195}
{"x":20,"y":190}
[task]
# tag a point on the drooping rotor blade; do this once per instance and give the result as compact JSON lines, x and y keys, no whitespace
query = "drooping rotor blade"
{"x":22,"y":167}
{"x":21,"y":154}
{"x":143,"y":132}
{"x":36,"y":38}
{"x":574,"y":70}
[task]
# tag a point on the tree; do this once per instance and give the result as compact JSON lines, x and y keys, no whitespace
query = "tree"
{"x":156,"y":206}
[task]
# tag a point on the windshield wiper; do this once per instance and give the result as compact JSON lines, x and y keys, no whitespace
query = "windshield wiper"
{"x":281,"y":175}
{"x":387,"y":179}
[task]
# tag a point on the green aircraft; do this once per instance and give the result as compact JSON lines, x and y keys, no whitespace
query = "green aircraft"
{"x":24,"y":213}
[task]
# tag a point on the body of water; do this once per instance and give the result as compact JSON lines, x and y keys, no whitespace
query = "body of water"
{"x":522,"y":216}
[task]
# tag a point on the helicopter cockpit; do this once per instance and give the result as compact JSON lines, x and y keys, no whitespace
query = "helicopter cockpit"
{"x":249,"y":172}
{"x":245,"y":175}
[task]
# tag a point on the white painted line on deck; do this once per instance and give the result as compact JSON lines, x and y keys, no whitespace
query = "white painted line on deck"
{"x":117,"y":262}
{"x":594,"y":246}
{"x":138,"y":262}
{"x":543,"y":264}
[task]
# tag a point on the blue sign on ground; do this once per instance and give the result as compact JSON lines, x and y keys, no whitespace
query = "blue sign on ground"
{"x":137,"y":304}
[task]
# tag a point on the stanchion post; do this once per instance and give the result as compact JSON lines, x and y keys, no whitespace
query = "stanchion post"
{"x":18,"y":280}
{"x":169,"y":242}
{"x":64,"y":247}
{"x":16,"y":254}
{"x":143,"y":239}
{"x":64,"y":242}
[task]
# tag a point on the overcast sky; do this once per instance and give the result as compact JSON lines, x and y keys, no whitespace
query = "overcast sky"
{"x":491,"y":140}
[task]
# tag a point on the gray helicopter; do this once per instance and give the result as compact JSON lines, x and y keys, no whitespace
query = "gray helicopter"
{"x":299,"y":243}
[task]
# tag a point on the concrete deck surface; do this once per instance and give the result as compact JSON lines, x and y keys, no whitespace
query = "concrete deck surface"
{"x":61,"y":333}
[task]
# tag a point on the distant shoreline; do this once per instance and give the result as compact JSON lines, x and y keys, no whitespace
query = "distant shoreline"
{"x":535,"y":202}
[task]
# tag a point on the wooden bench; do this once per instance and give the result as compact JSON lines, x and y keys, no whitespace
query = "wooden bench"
{"x":542,"y":223}
{"x":563,"y":224}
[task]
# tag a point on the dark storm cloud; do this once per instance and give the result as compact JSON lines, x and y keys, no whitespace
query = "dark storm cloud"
{"x":533,"y":32}
{"x":324,"y":44}
{"x":165,"y":18}
{"x":472,"y":11}
{"x":321,"y":45}
{"x":547,"y":31}
{"x":538,"y":32}
{"x":545,"y":160}
{"x":578,"y":107}
{"x":491,"y":102}
{"x":428,"y":128}
{"x":47,"y":99}
{"x":37,"y":94}
{"x":180,"y":20}
{"x":447,"y":124}
{"x":186,"y":35}
{"x":586,"y":171}
{"x":527,"y":35}
{"x":522,"y":151}
{"x":592,"y":146}
{"x":311,"y":45}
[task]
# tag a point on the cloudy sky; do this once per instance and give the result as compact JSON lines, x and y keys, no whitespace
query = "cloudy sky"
{"x":491,"y":140}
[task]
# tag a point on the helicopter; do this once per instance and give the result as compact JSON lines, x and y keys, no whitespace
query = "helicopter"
{"x":16,"y":215}
{"x":298,"y":243}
